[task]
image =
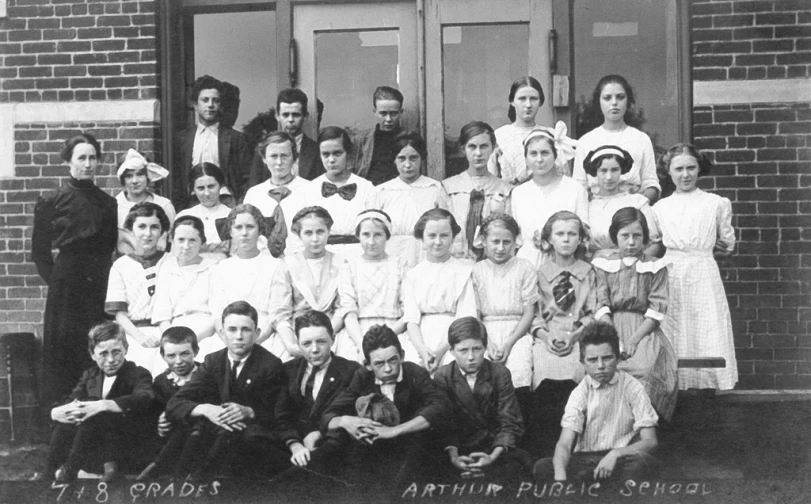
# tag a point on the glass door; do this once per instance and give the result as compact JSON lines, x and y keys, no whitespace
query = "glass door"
{"x":475,"y":49}
{"x":345,"y":51}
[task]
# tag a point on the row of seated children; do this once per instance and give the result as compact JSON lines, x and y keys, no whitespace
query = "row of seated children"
{"x":243,"y":412}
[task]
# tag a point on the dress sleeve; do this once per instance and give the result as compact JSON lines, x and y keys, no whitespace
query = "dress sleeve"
{"x":653,"y":227}
{"x":647,"y":166}
{"x":280,"y":310}
{"x":116,"y":300}
{"x":529,"y":287}
{"x":603,"y":295}
{"x":578,"y":171}
{"x":41,"y":239}
{"x":657,"y":298}
{"x":442,"y":199}
{"x":466,"y":306}
{"x":411,"y":310}
{"x":346,"y":291}
{"x":216,"y":293}
{"x":162,"y":308}
{"x":726,"y":233}
{"x":582,"y":205}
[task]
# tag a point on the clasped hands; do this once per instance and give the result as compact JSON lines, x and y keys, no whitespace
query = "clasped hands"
{"x":472,"y":465}
{"x":367,"y":430}
{"x":76,"y":411}
{"x":230,"y":416}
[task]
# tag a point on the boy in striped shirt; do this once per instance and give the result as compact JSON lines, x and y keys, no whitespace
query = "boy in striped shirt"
{"x":609,"y":425}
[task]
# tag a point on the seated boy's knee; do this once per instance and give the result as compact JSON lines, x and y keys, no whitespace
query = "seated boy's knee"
{"x":638,"y":466}
{"x":543,"y":469}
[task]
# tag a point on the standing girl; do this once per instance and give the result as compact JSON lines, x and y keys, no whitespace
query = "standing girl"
{"x":370,"y":285}
{"x":339,"y":191}
{"x":695,"y":225}
{"x":207,"y":180}
{"x":508,"y":162}
{"x":307,"y":280}
{"x":408,"y":196}
{"x":633,"y":295}
{"x":506,"y":294}
{"x":436,"y":291}
{"x":183,"y":284}
{"x":131,"y":289}
{"x":607,"y":164}
{"x":246,"y":275}
{"x":79,"y":220}
{"x":612,"y":101}
{"x":475,"y":193}
{"x":549,"y":191}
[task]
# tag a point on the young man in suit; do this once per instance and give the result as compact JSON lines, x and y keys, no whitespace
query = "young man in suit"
{"x":229,"y":403}
{"x":486,"y":416}
{"x":108,"y":411}
{"x":315,"y":380}
{"x":609,"y":426}
{"x":212,"y":142}
{"x":291,"y":112}
{"x":404,"y":444}
{"x":373,"y":152}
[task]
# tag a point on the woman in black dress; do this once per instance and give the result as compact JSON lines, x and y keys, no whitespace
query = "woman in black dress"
{"x":80,"y":220}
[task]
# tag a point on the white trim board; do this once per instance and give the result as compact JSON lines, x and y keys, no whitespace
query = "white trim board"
{"x":753,"y":91}
{"x":61,"y":112}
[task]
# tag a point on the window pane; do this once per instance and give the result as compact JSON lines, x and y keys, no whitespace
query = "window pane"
{"x":247,"y":60}
{"x":348,"y":67}
{"x":479,"y":63}
{"x":638,"y":40}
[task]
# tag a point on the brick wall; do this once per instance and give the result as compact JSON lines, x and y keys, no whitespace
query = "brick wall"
{"x":78,"y":50}
{"x":762,"y":154}
{"x":751,"y":39}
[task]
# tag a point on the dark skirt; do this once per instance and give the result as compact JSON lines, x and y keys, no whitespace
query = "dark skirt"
{"x":75,"y":304}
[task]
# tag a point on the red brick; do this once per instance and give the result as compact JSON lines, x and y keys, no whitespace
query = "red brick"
{"x":733,"y":116}
{"x":108,"y":45}
{"x":756,"y":73}
{"x":772,"y":46}
{"x":758,"y":6}
{"x":777,"y":154}
{"x":86,"y":83}
{"x":754,"y":59}
{"x":775,"y":72}
{"x":782,"y":261}
{"x":114,"y":21}
{"x":141,"y":43}
{"x":711,"y":35}
{"x":120,"y":82}
{"x":59,"y":34}
{"x":775,"y":19}
{"x":126,"y":32}
{"x":43,"y":23}
{"x":78,"y":22}
{"x":104,"y":70}
{"x":52,"y":83}
{"x":95,"y":33}
{"x":23,"y":35}
{"x":89,"y":58}
{"x":10,"y":48}
{"x":74,"y":47}
{"x":139,"y":69}
{"x":733,"y":20}
{"x":792,"y":381}
{"x":722,"y":47}
{"x":39,"y":47}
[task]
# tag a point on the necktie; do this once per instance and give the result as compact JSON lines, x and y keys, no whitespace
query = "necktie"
{"x":310,"y":385}
{"x":234,"y":369}
{"x":564,"y":292}
{"x":346,"y":192}
{"x":474,"y":219}
{"x":279,"y":193}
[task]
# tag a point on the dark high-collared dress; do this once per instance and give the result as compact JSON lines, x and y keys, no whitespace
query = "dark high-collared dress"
{"x":80,"y":220}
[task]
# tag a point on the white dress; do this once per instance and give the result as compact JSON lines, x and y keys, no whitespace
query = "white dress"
{"x":131,"y":289}
{"x":343,"y":212}
{"x":405,"y":204}
{"x":258,"y":196}
{"x":237,"y":279}
{"x":125,"y":205}
{"x":181,"y":296}
{"x":434,"y":295}
{"x":209,"y":219}
{"x":698,"y":321}
{"x":532,"y":205}
{"x":512,"y":164}
{"x":602,"y":210}
{"x":502,"y":293}
{"x":372,"y":291}
{"x":643,"y":172}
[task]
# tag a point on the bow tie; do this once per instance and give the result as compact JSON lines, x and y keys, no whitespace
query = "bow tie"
{"x":347,"y":191}
{"x":279,"y":193}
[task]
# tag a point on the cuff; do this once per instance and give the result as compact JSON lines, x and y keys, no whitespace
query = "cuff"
{"x":603,"y":311}
{"x":655,"y":315}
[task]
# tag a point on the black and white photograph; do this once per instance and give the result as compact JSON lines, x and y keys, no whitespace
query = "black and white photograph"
{"x":373,"y":251}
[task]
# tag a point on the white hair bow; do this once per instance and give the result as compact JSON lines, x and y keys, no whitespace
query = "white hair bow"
{"x":135,"y":161}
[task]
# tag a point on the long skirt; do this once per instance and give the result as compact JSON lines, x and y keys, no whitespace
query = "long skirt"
{"x":654,"y":363}
{"x":74,"y":305}
{"x":698,"y":321}
{"x":519,"y":362}
{"x":434,"y":329}
{"x":148,"y":358}
{"x":546,"y":365}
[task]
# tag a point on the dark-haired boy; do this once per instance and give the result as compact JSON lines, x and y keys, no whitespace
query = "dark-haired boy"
{"x":229,"y":402}
{"x":373,"y":153}
{"x":609,"y":426}
{"x":315,"y":380}
{"x":107,"y":414}
{"x":390,"y":451}
{"x":487,"y":421}
{"x":291,"y":113}
{"x":211,"y":142}
{"x":178,"y":349}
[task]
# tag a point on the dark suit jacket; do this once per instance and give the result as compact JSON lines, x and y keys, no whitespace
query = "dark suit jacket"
{"x":309,"y":163}
{"x":487,"y":416}
{"x":235,"y":159}
{"x":132,"y":390}
{"x":416,"y":395}
{"x":260,"y":381}
{"x":295,"y":419}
